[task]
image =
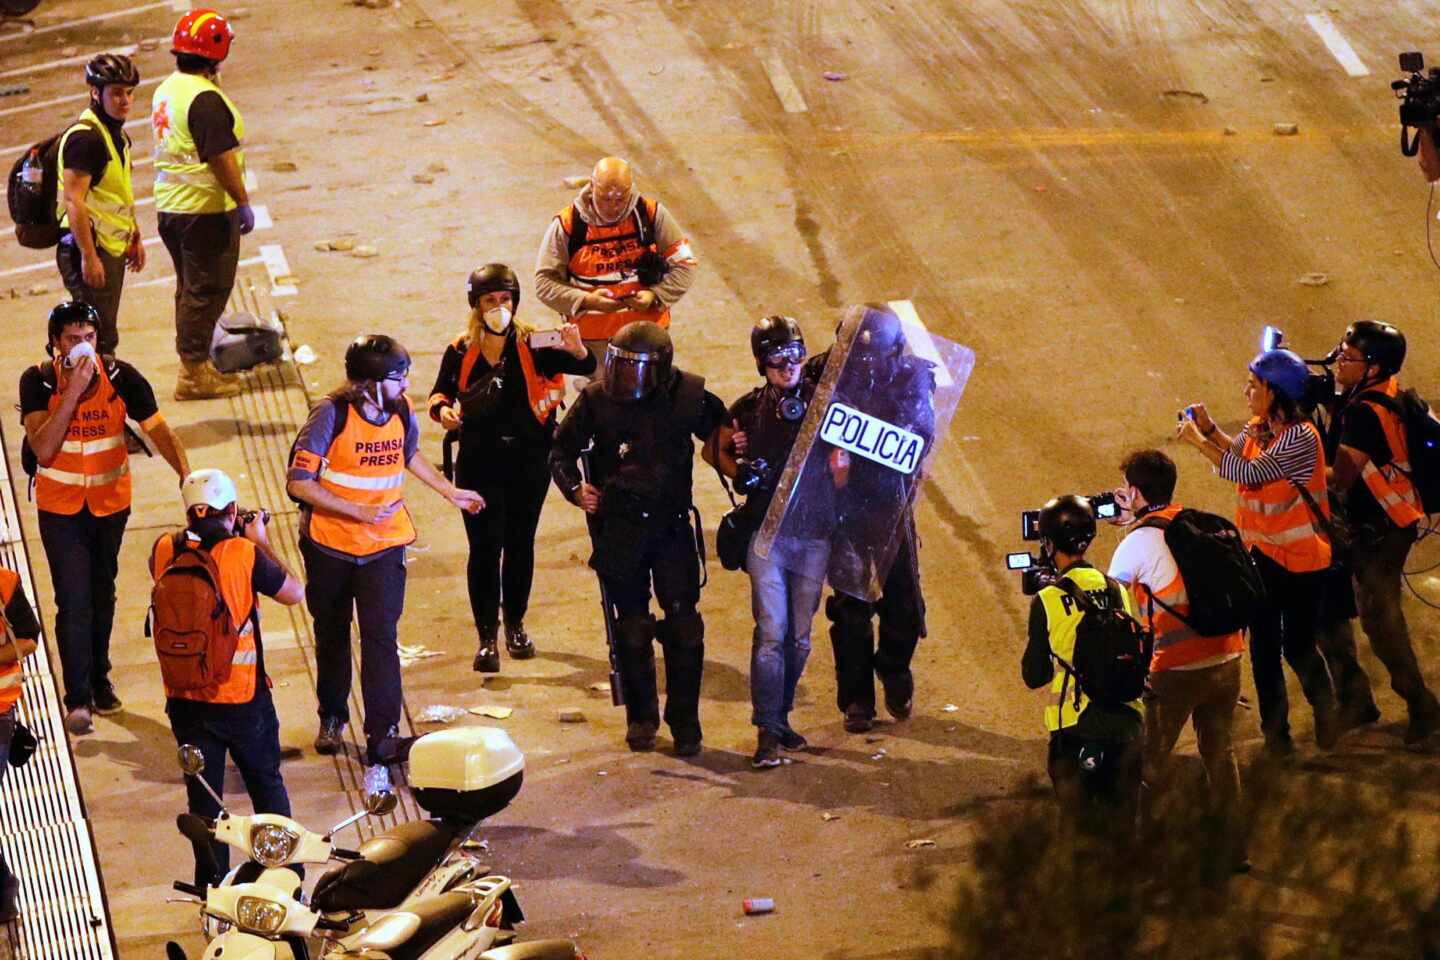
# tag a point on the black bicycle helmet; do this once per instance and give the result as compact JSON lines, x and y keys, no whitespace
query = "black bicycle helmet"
{"x":1068,"y":522}
{"x":1379,"y":343}
{"x":70,"y":312}
{"x":373,"y":357}
{"x":107,"y":68}
{"x":490,"y":278}
{"x":774,"y":333}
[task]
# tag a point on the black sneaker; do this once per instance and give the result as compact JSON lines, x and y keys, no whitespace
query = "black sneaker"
{"x":517,"y":642}
{"x":487,"y":658}
{"x":1363,"y":716}
{"x":688,"y":747}
{"x":858,"y":719}
{"x":330,"y":740}
{"x":767,"y":751}
{"x":104,"y":702}
{"x":641,"y":736}
{"x":899,"y":695}
{"x":1424,"y":722}
{"x":790,"y":740}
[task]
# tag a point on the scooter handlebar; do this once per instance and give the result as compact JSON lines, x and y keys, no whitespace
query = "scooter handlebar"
{"x":325,"y":923}
{"x":341,"y":853}
{"x":189,"y":888}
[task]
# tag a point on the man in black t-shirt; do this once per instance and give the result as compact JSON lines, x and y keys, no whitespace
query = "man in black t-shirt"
{"x":1367,"y":447}
{"x":786,"y":585}
{"x":99,"y":234}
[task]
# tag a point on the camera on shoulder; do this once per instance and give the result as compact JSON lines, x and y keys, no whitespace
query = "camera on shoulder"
{"x":1419,"y":96}
{"x":1036,"y":573}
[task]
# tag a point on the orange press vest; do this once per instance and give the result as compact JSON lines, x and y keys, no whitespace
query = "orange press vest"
{"x":545,"y":394}
{"x":1175,"y":643}
{"x":1276,"y":520}
{"x":11,"y":675}
{"x":235,"y":556}
{"x":606,"y":259}
{"x":365,"y":464}
{"x":92,"y":468}
{"x":1390,"y":485}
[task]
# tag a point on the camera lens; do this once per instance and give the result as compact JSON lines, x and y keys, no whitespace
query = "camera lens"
{"x":791,"y":408}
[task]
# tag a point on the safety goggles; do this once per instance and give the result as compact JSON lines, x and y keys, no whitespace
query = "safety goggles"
{"x":785,"y":355}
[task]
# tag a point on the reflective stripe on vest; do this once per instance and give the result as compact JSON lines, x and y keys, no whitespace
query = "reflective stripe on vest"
{"x":544,"y":394}
{"x":1390,"y":485}
{"x":365,"y":465}
{"x":183,"y":182}
{"x":92,"y":467}
{"x":235,"y":558}
{"x":1175,"y":643}
{"x":12,"y":674}
{"x":1062,"y":618}
{"x":110,"y":200}
{"x":1275,"y":519}
{"x":607,"y":260}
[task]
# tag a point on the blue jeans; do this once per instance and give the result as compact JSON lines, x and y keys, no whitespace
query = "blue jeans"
{"x":784,"y":601}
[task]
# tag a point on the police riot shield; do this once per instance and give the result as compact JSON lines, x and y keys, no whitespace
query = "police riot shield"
{"x":880,"y":410}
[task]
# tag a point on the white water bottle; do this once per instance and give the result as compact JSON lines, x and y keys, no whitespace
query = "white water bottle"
{"x":32,"y":172}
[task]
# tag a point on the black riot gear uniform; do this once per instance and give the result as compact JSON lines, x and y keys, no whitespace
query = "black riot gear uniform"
{"x":877,"y":368}
{"x":641,"y":453}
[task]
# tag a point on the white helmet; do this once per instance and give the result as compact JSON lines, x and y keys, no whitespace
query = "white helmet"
{"x":209,"y":487}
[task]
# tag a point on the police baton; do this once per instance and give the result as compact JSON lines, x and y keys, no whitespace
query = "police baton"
{"x":617,"y":692}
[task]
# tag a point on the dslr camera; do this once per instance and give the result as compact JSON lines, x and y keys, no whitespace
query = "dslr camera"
{"x":751,"y":475}
{"x":243,"y":519}
{"x":1419,"y":97}
{"x":1038,"y":573}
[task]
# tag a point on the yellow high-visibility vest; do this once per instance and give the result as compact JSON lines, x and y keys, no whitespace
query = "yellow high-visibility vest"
{"x":183,"y":182}
{"x":111,"y":199}
{"x":1063,"y":615}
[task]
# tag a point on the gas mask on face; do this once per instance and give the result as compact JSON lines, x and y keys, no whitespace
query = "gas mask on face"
{"x":497,"y":319}
{"x":77,"y":353}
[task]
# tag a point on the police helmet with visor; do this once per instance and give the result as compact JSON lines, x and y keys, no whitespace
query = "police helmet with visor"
{"x":880,"y":340}
{"x":107,"y":68}
{"x":1068,"y":522}
{"x":776,"y":341}
{"x":639,"y":360}
{"x":489,"y":279}
{"x":1379,"y":343}
{"x":374,"y":357}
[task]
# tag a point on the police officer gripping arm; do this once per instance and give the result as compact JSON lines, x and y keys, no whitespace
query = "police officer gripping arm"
{"x":639,"y":426}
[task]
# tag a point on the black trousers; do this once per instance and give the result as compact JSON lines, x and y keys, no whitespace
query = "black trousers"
{"x":373,"y":593}
{"x":83,"y":551}
{"x":205,"y":248}
{"x":858,"y":658}
{"x":1379,"y":569}
{"x":105,"y":300}
{"x":1098,"y":782}
{"x":250,"y":734}
{"x":670,"y":561}
{"x":1285,"y":627}
{"x":514,"y":479}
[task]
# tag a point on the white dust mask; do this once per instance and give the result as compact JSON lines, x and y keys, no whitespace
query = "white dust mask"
{"x":497,"y":319}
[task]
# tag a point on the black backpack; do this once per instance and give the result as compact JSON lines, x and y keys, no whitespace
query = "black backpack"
{"x":37,"y":219}
{"x":1422,"y":440}
{"x":1221,"y":580}
{"x":1111,"y":659}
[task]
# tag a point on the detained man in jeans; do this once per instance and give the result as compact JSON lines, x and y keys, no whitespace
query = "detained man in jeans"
{"x":751,"y":448}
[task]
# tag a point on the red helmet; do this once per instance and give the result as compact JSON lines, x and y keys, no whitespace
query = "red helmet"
{"x":204,"y":33}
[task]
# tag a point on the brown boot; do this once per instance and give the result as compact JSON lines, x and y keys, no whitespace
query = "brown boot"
{"x":199,"y":380}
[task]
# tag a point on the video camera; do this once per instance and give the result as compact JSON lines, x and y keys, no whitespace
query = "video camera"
{"x":1419,"y":97}
{"x":1038,"y":573}
{"x":1320,"y":389}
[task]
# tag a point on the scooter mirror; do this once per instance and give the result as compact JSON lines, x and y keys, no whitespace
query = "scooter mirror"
{"x":381,"y":804}
{"x":192,"y":761}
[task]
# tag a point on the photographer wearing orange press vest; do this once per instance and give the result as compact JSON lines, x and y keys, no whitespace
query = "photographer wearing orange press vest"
{"x":347,"y":470}
{"x":74,"y":407}
{"x":1373,"y":470}
{"x":217,"y":694}
{"x":613,"y":257}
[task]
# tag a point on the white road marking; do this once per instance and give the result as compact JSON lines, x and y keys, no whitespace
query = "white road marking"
{"x":71,"y":98}
{"x":32,"y":267}
{"x":262,"y":216}
{"x":170,"y":278}
{"x":784,"y":86}
{"x":919,"y":336}
{"x":279,"y":269}
{"x":142,"y":202}
{"x":70,"y":24}
{"x":71,"y":61}
{"x":1336,"y":43}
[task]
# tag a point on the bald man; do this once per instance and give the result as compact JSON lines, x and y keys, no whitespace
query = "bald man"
{"x":613,"y":256}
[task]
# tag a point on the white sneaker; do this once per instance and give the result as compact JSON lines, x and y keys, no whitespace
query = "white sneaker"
{"x":78,"y":721}
{"x":377,"y":779}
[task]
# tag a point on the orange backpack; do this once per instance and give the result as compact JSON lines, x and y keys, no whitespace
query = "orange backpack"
{"x":195,"y":636}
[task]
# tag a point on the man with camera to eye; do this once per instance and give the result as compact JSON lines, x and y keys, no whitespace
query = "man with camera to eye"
{"x":235,"y":715}
{"x":784,"y":590}
{"x":1095,"y":757}
{"x":1372,"y":471}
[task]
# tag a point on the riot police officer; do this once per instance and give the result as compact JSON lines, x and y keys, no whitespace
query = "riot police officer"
{"x":639,"y":425}
{"x":897,"y":388}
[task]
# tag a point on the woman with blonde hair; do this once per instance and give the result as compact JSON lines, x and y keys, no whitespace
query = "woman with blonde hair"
{"x":499,"y":388}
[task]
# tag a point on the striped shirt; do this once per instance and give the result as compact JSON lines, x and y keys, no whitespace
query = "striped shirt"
{"x":1290,"y":456}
